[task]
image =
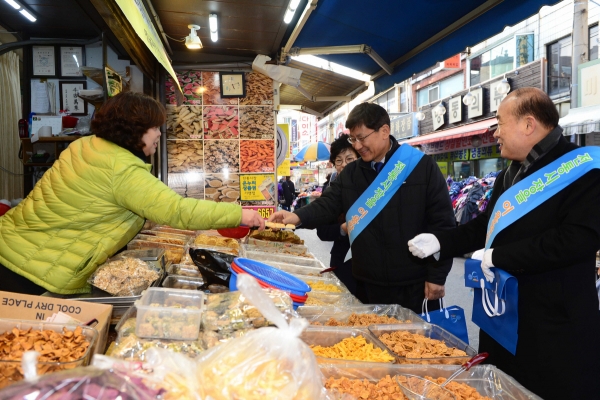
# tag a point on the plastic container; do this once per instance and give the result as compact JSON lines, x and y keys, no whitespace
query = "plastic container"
{"x":486,"y":379}
{"x":284,"y":258}
{"x":164,"y":313}
{"x":184,"y":270}
{"x":272,"y":276}
{"x":179,"y":240}
{"x":284,"y":247}
{"x":342,"y":313}
{"x":335,"y":283}
{"x":429,"y":331}
{"x":329,"y":336}
{"x":183,"y":282}
{"x":323,"y":299}
{"x":301,"y":270}
{"x":11,"y":370}
{"x":173,"y":252}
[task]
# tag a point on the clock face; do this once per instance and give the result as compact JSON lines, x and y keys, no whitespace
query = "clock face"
{"x":232,"y":85}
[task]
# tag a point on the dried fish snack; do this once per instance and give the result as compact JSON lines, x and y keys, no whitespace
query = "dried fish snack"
{"x":257,"y":156}
{"x":257,"y":122}
{"x":221,"y":155}
{"x":185,"y":156}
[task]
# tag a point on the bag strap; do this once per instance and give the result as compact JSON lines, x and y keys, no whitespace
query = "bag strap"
{"x":492,"y":310}
{"x":425,"y":311}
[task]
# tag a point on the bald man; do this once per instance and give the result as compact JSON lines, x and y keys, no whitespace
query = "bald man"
{"x":551,"y":251}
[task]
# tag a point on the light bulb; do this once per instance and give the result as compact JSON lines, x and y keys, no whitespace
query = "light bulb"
{"x":440,"y":109}
{"x":420,"y":116}
{"x":504,"y":86}
{"x":468,"y":99}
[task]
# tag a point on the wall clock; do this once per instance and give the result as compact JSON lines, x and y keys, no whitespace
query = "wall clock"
{"x":233,"y":84}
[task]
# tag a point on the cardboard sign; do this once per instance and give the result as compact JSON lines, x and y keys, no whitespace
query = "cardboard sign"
{"x":38,"y":308}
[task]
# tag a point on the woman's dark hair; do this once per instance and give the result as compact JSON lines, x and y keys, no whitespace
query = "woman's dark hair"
{"x":371,"y":115}
{"x":125,"y":118}
{"x":338,"y":145}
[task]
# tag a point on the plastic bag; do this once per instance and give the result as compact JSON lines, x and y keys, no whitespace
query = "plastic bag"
{"x":89,"y":383}
{"x":267,"y":363}
{"x":213,"y":265}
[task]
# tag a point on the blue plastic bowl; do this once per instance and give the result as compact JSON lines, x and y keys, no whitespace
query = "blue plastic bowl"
{"x":273,"y":276}
{"x":233,"y":281}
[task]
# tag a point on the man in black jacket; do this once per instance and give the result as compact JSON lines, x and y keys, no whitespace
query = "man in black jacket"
{"x":391,"y":275}
{"x":289,"y":192}
{"x":551,"y":251}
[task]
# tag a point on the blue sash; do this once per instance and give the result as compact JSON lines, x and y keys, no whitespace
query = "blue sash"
{"x":380,"y":191}
{"x":495,"y":305}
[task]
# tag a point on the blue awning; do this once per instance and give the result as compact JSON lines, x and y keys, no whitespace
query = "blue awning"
{"x":396,"y":29}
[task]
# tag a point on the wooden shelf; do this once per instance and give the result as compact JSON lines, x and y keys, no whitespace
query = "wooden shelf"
{"x":60,"y":143}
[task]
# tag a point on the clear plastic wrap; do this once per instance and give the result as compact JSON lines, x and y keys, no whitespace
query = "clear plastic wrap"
{"x":284,"y":251}
{"x":89,"y":383}
{"x":125,"y":276}
{"x":326,"y":285}
{"x":231,"y":315}
{"x":487,"y":380}
{"x":429,"y":331}
{"x":285,"y":258}
{"x":322,"y":315}
{"x":324,"y":299}
{"x":184,"y":270}
{"x":268,"y":363}
{"x":173,"y":252}
{"x":183,"y":282}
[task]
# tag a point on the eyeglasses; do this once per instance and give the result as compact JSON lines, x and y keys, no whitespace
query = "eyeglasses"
{"x":352,"y":140}
{"x":347,"y":160}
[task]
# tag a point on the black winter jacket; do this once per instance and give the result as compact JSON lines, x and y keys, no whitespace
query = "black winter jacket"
{"x":552,"y":252}
{"x":380,"y":253}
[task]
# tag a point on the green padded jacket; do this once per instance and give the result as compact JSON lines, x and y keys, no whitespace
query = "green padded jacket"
{"x":89,"y":205}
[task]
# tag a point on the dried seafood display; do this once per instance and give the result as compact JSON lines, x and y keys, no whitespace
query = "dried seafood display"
{"x":257,"y":122}
{"x":221,"y":122}
{"x":259,"y":90}
{"x":222,"y":155}
{"x":257,"y":155}
{"x":185,"y":155}
{"x":212,"y":90}
{"x":184,"y":122}
{"x":277,"y":236}
{"x":221,"y":188}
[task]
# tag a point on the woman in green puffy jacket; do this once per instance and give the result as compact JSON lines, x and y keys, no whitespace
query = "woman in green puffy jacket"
{"x":95,"y":199}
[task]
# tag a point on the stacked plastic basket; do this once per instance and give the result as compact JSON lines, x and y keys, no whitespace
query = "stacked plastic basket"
{"x":270,"y":277}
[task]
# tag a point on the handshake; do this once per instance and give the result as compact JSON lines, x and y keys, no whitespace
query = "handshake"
{"x":426,"y":244}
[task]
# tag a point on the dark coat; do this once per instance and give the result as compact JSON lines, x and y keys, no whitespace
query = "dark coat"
{"x":552,"y":252}
{"x":380,"y":252}
{"x":289,"y":191}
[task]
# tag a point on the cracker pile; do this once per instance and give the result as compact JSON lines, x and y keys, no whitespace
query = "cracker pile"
{"x":363,"y":320}
{"x":413,"y":345}
{"x":384,"y":389}
{"x":353,"y":348}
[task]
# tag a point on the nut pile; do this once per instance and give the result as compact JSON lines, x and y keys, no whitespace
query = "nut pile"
{"x":57,"y":350}
{"x":257,"y":155}
{"x":259,"y":90}
{"x":219,"y":188}
{"x":124,"y":277}
{"x":257,"y":122}
{"x":212,"y":90}
{"x":184,"y":122}
{"x":220,"y":122}
{"x":222,"y":154}
{"x":184,"y":155}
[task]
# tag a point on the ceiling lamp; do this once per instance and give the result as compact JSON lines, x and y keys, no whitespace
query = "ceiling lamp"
{"x":213,"y":24}
{"x":24,"y":12}
{"x":291,"y":10}
{"x":192,"y":41}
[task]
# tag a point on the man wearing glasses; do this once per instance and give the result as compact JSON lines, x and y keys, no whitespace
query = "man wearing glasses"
{"x":384,"y":203}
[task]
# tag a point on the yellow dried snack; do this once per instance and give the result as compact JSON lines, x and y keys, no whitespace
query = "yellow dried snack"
{"x":324,"y":287}
{"x":353,"y":348}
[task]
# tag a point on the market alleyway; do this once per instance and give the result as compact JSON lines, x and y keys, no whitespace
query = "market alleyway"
{"x":456,"y":293}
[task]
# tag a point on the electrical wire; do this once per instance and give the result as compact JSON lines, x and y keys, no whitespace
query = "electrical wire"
{"x":172,"y":38}
{"x":12,"y":173}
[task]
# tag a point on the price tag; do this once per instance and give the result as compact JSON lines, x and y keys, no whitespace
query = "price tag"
{"x":264,"y":211}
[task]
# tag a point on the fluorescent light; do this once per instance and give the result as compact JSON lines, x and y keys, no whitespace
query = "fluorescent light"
{"x":333,"y":67}
{"x":213,"y":23}
{"x":13,"y":3}
{"x":28,"y":15}
{"x":291,"y":10}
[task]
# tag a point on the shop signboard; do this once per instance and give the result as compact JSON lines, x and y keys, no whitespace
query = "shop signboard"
{"x":455,"y":110}
{"x":447,"y":145}
{"x":588,"y":90}
{"x":257,"y":187}
{"x":479,"y":153}
{"x":264,"y":211}
{"x":443,"y":167}
{"x":438,"y":120}
{"x":404,"y":126}
{"x":496,"y":96}
{"x":304,"y":130}
{"x":452,"y":62}
{"x":459,"y":155}
{"x":294,"y":126}
{"x":138,"y":17}
{"x":476,"y":108}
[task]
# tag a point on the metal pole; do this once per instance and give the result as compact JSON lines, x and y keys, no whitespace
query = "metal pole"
{"x":580,"y":50}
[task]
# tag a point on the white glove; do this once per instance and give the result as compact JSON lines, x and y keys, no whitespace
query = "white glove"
{"x":424,"y":245}
{"x":486,"y":264}
{"x":478,"y":255}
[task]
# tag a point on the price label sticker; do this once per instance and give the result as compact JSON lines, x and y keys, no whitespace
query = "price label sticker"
{"x":264,"y":212}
